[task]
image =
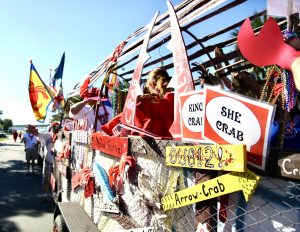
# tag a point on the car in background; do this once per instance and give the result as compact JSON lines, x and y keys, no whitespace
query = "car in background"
{"x":3,"y":134}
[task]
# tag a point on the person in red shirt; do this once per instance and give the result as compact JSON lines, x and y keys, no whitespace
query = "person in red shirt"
{"x":154,"y":109}
{"x":20,"y":135}
{"x":15,"y":135}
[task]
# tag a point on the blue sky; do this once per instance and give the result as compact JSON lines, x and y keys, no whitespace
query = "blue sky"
{"x":87,"y":31}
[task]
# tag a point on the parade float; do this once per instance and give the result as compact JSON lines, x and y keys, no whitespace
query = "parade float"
{"x":230,"y":160}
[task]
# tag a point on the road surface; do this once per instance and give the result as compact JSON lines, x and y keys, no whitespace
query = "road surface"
{"x":21,"y":209}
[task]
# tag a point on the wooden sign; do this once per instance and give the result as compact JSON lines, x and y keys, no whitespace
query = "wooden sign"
{"x":212,"y":157}
{"x":192,"y":115}
{"x":182,"y":80}
{"x":115,"y":146}
{"x":290,"y":166}
{"x":234,"y":119}
{"x":216,"y":187}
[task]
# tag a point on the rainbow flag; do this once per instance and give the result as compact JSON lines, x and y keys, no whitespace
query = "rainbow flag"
{"x":40,"y":95}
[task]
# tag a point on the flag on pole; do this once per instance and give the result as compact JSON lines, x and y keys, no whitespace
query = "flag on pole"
{"x":58,"y":101}
{"x":39,"y":94}
{"x":60,"y":69}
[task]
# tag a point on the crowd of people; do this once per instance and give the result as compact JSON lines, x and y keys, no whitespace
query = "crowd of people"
{"x":35,"y":142}
{"x":47,"y":140}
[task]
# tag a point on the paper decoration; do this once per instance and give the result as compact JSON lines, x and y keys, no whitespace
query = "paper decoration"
{"x":211,"y":157}
{"x":192,"y":115}
{"x":216,"y":187}
{"x":266,"y":48}
{"x":182,"y":80}
{"x":234,"y":119}
{"x":269,"y":48}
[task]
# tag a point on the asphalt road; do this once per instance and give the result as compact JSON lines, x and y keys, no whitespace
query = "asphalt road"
{"x":21,"y":208}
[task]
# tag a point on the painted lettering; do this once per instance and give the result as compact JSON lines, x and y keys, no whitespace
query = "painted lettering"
{"x":191,"y":157}
{"x":209,"y":150}
{"x":204,"y":192}
{"x":221,"y":186}
{"x":294,"y":172}
{"x":182,"y":158}
{"x":183,"y":199}
{"x":284,"y":168}
{"x":237,"y":134}
{"x":195,"y":121}
{"x":199,"y":157}
{"x":196,"y":107}
{"x":173,"y":155}
{"x":231,"y":114}
{"x":177,"y":200}
{"x":113,"y":147}
{"x":216,"y":189}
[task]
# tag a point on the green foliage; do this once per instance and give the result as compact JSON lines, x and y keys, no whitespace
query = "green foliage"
{"x":5,"y":124}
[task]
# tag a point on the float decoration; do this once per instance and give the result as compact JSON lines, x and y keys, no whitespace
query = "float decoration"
{"x":268,"y":48}
{"x":216,"y":187}
{"x":135,"y":89}
{"x":234,"y":119}
{"x":111,"y":145}
{"x":192,"y":115}
{"x":211,"y":157}
{"x":182,"y":81}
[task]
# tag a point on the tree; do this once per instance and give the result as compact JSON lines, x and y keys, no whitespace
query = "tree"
{"x":6,"y":124}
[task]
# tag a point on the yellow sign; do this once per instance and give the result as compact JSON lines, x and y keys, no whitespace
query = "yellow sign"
{"x":216,"y":187}
{"x":213,"y":157}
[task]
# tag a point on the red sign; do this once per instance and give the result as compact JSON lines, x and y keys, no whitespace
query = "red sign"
{"x":115,"y":146}
{"x":192,"y":115}
{"x":234,"y":119}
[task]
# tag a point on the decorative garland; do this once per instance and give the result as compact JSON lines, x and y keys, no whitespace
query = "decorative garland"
{"x":289,"y":90}
{"x":286,"y":88}
{"x":272,"y":71}
{"x":288,"y":35}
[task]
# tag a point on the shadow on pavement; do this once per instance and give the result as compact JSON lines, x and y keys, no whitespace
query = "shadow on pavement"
{"x":17,"y":144}
{"x":20,"y":194}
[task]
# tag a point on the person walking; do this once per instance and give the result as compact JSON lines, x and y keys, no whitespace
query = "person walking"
{"x":47,"y":139}
{"x":31,"y":145}
{"x":20,"y":135}
{"x":15,"y":135}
